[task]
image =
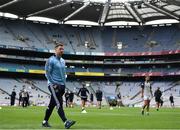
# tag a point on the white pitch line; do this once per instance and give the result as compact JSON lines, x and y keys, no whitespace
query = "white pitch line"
{"x":92,"y":129}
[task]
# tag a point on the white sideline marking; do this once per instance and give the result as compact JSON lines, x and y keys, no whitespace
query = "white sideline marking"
{"x":92,"y":129}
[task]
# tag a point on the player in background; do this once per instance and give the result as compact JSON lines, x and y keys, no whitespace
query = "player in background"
{"x":83,"y":93}
{"x":157,"y":95}
{"x":99,"y":95}
{"x":146,"y":94}
{"x":171,"y":99}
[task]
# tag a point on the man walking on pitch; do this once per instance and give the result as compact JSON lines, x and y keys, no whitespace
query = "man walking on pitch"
{"x":55,"y":74}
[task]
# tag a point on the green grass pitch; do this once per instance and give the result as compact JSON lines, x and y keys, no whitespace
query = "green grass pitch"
{"x":119,"y":118}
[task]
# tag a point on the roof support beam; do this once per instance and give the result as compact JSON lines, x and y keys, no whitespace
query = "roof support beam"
{"x":105,"y":12}
{"x":136,"y":12}
{"x":175,"y":2}
{"x":9,"y":3}
{"x":48,"y":9}
{"x":77,"y":11}
{"x":161,"y":11}
{"x":132,"y":12}
{"x":161,"y":7}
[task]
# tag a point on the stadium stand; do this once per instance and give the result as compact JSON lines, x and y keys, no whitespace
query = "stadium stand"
{"x":27,"y":34}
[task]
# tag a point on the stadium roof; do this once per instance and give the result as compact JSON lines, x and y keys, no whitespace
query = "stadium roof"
{"x":102,"y":12}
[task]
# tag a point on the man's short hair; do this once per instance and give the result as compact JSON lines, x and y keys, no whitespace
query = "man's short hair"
{"x":59,"y":44}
